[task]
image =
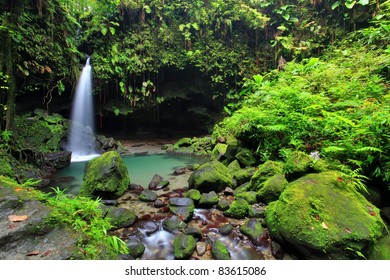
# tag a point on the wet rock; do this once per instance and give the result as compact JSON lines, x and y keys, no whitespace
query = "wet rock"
{"x":277,"y":250}
{"x":136,"y":247}
{"x":148,"y":196}
{"x":234,"y":166}
{"x":211,"y":176}
{"x":226,"y":229}
{"x":183,"y":207}
{"x":223,"y":204}
{"x":194,"y":232}
{"x":271,"y":189}
{"x":201,"y":248}
{"x":57,"y":160}
{"x":322,"y":225}
{"x":183,"y":246}
{"x":208,"y":200}
{"x":174,"y":224}
{"x":150,"y":227}
{"x":135,"y":187}
{"x":119,"y":217}
{"x":238,"y":209}
{"x":253,"y":229}
{"x":256,"y":211}
{"x":158,"y":203}
{"x":193,"y":194}
{"x":249,"y":196}
{"x":34,"y":234}
{"x":219,"y":251}
{"x":106,"y":177}
{"x":157,"y":183}
{"x":109,"y":202}
{"x":180,"y":171}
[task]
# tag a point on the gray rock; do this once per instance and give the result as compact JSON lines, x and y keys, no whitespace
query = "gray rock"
{"x":148,"y":196}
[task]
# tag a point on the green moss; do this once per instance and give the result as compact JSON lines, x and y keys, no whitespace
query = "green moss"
{"x":249,"y":196}
{"x":381,"y":249}
{"x":238,"y":209}
{"x":246,"y":157}
{"x":218,"y":151}
{"x":271,"y":189}
{"x":5,"y":166}
{"x":219,"y":251}
{"x":211,"y":176}
{"x":265,"y":171}
{"x":244,"y":175}
{"x":183,"y":246}
{"x":253,"y":229}
{"x":297,"y":164}
{"x":105,"y":176}
{"x":234,"y":166}
{"x":321,"y":216}
{"x":193,"y":194}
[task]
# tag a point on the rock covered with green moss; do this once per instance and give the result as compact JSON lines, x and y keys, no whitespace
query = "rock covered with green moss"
{"x":271,"y":189}
{"x":238,"y":209}
{"x":297,"y":164}
{"x":105,"y":176}
{"x":322,"y":216}
{"x":41,"y":131}
{"x":183,"y":246}
{"x":265,"y":171}
{"x":219,"y":251}
{"x":211,"y":176}
{"x":254,"y":230}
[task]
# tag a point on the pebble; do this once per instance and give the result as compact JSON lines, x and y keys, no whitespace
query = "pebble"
{"x":201,"y":248}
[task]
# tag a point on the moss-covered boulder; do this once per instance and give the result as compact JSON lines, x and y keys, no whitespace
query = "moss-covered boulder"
{"x":219,"y":251}
{"x":381,"y":249}
{"x":208,"y":200}
{"x":238,"y":209}
{"x":135,"y":246}
{"x":105,"y":176}
{"x":322,"y":216}
{"x":272,"y":188}
{"x":183,"y":207}
{"x":244,"y":175}
{"x":265,"y":171}
{"x":249,"y":196}
{"x":148,"y":196}
{"x":254,"y":230}
{"x":195,"y":195}
{"x":218,"y":152}
{"x":211,"y":176}
{"x":119,"y":217}
{"x":246,"y":157}
{"x":297,"y":164}
{"x":40,"y":131}
{"x":174,"y":224}
{"x":234,"y":166}
{"x":183,"y":246}
{"x":232,"y":148}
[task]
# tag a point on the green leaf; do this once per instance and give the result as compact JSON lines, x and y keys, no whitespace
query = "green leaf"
{"x":349,"y":4}
{"x":104,"y":30}
{"x":336,"y":4}
{"x":112,"y":30}
{"x":363,"y":2}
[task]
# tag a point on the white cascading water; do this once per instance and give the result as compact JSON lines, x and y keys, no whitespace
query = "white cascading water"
{"x":81,"y":139}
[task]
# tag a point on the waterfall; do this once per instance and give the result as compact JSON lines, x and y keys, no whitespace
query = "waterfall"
{"x":81,"y":139}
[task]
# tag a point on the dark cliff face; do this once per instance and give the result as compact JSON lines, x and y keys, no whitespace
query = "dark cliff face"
{"x":186,"y":105}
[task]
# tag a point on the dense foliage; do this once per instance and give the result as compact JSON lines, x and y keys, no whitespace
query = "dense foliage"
{"x":337,"y":105}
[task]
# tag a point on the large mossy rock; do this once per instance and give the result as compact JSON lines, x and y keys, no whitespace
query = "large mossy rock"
{"x":254,"y":230}
{"x":219,"y":251}
{"x":322,"y":216}
{"x":183,"y":246}
{"x":238,"y":209}
{"x":297,"y":164}
{"x":265,"y":171}
{"x":246,"y":157}
{"x":183,"y":207}
{"x":40,"y":131}
{"x":211,"y":176}
{"x":105,"y":176}
{"x":272,"y":188}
